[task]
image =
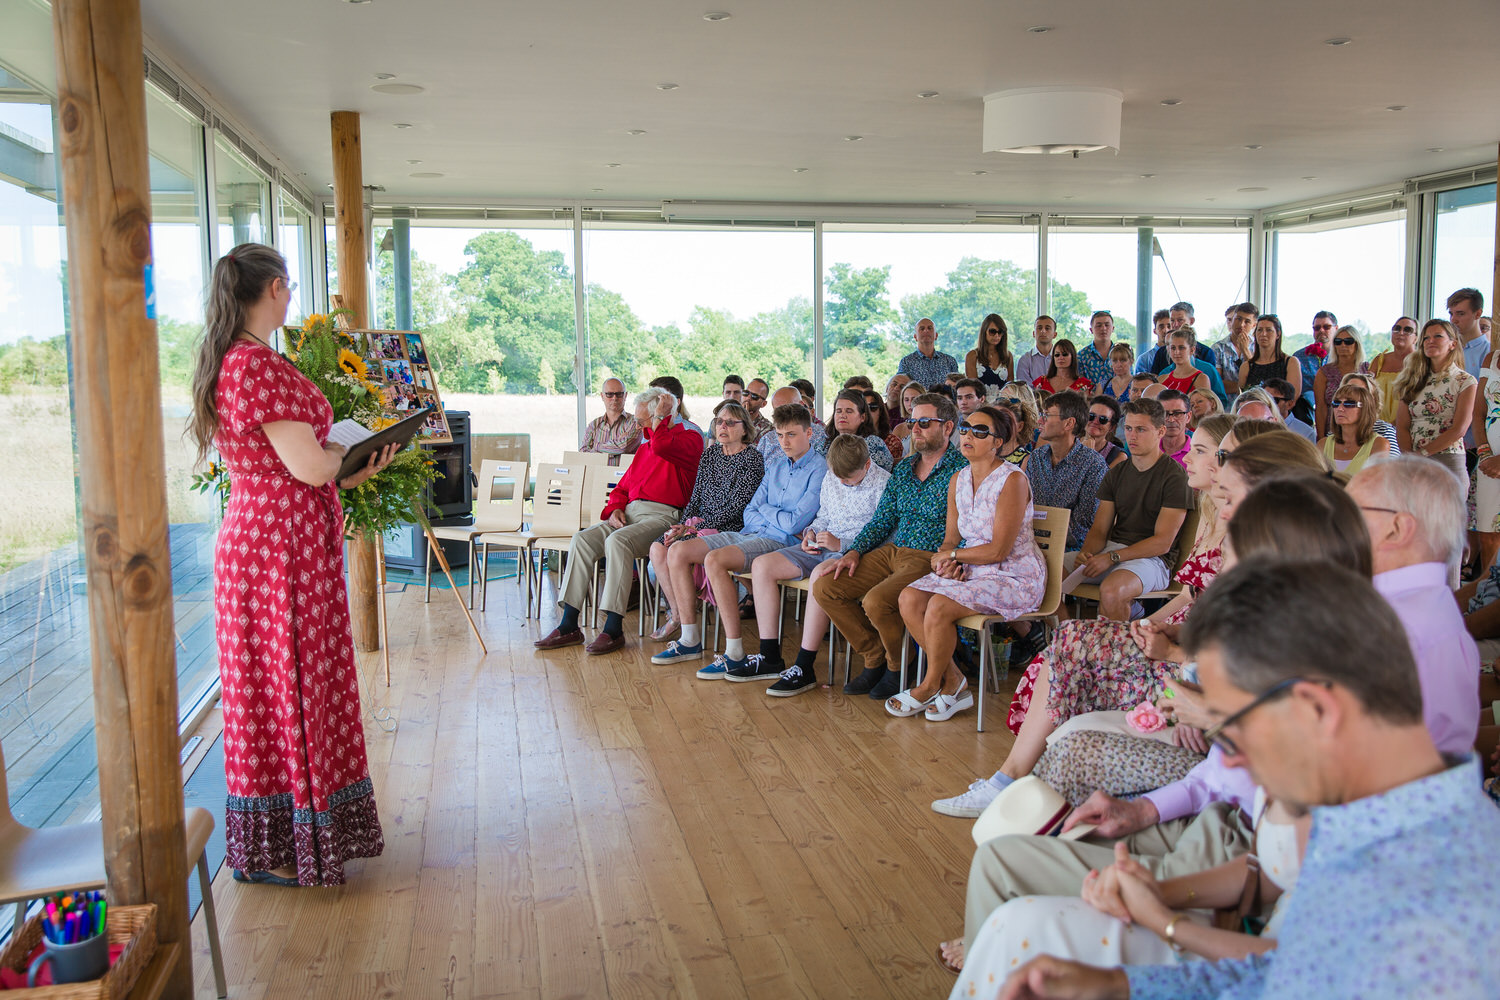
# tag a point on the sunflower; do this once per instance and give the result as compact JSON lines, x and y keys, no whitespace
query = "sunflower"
{"x":353,"y":364}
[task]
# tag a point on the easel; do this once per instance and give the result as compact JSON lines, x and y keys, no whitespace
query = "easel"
{"x":380,"y":581}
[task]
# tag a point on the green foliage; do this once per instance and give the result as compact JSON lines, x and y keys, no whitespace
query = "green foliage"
{"x":34,"y":363}
{"x":857,"y":311}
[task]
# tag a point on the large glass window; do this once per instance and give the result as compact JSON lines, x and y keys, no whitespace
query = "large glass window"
{"x":1353,"y":271}
{"x":1463,"y":247}
{"x":294,"y":240}
{"x":878,"y":282}
{"x":699,"y":304}
{"x":242,"y":195}
{"x":1089,"y":270}
{"x":1211,"y":270}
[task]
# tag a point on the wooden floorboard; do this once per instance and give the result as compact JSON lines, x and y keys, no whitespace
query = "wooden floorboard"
{"x":559,"y":825}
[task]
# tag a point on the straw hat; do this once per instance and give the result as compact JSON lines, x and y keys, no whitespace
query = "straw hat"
{"x":1028,"y":806}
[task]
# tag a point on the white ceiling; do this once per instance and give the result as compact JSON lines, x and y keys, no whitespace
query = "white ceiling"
{"x":528,"y":99}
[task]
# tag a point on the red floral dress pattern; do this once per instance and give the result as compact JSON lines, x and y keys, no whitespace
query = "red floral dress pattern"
{"x":294,"y":750}
{"x":1095,"y":666}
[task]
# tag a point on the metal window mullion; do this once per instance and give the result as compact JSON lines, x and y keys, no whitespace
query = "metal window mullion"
{"x":817,"y":330}
{"x":211,"y":199}
{"x":1041,"y":264}
{"x":580,"y":324}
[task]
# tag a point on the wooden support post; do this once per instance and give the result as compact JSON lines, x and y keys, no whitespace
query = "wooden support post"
{"x":353,"y":258}
{"x":122,"y":476}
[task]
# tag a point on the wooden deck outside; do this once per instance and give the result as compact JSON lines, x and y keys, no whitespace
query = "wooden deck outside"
{"x":559,"y":825}
{"x":46,"y":691}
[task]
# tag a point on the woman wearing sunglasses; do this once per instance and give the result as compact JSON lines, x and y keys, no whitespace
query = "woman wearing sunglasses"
{"x":901,"y":429}
{"x":1387,"y":364}
{"x":1099,"y":434}
{"x":1348,"y":357}
{"x":1352,"y":442}
{"x":987,"y":562}
{"x":1062,"y":372}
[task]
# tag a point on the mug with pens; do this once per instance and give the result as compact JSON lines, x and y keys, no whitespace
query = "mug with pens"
{"x":73,"y":938}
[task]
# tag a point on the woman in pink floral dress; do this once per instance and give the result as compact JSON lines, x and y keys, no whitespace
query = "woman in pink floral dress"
{"x":988,"y":561}
{"x":1437,"y":399}
{"x":300,"y":797}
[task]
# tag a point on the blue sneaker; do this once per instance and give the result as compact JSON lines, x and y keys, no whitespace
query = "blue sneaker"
{"x":715,"y":671}
{"x":677,"y":652}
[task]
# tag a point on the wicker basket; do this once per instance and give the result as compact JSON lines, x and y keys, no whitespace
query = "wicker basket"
{"x":132,"y":926}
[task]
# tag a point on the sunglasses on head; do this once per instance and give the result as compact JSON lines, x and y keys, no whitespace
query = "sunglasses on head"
{"x":979,"y":431}
{"x":923,"y":422}
{"x":1343,"y":341}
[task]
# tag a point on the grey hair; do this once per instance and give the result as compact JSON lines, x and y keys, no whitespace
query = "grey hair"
{"x":649,"y":398}
{"x":1256,"y":394}
{"x":1431,"y":494}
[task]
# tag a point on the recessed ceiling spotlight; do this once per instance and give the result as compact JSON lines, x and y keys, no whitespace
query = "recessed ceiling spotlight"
{"x":635,"y":131}
{"x":1255,"y":145}
{"x":398,"y":89}
{"x":666,"y":86}
{"x":425,"y":174}
{"x":597,"y":190}
{"x":1147,"y":177}
{"x":978,"y":173}
{"x":385,"y":76}
{"x":611,"y":165}
{"x":1170,"y":102}
{"x":1039,"y":29}
{"x":1434,"y":149}
{"x":401,"y":125}
{"x":1247,"y":190}
{"x":717,"y":15}
{"x":1210,"y":199}
{"x":413,"y":162}
{"x":927,"y":95}
{"x":1395,"y":107}
{"x":357,"y":1}
{"x":1311,"y":177}
{"x":799,"y":170}
{"x":1337,"y":42}
{"x":853,"y":138}
{"x":1069,"y":197}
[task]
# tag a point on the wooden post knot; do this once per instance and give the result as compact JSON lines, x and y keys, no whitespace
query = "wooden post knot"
{"x":128,"y":244}
{"x":142,"y":581}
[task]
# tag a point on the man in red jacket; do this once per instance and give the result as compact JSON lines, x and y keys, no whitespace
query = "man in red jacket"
{"x":648,"y":500}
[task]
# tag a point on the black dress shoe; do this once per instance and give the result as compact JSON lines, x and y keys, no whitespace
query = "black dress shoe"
{"x":866,"y":680}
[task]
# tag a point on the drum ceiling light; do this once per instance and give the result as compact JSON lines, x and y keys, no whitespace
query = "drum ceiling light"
{"x":1052,"y":120}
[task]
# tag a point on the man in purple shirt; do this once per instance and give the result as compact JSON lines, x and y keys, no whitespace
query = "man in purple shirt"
{"x":1416,"y":515}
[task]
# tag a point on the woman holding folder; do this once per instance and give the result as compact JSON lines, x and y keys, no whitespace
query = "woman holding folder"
{"x":300,"y":798}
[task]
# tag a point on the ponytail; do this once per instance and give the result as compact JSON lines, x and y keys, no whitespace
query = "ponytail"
{"x":239,"y":279}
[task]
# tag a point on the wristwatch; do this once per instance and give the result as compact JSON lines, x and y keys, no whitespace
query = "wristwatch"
{"x":1114,"y":557}
{"x":1170,"y":932}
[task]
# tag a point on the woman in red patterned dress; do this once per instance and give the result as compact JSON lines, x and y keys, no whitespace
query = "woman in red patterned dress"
{"x":300,"y":798}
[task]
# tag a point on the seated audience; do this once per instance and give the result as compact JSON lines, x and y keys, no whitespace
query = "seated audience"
{"x":902,"y":428}
{"x":1200,"y":358}
{"x":1063,"y":470}
{"x":1347,"y":358}
{"x":1176,"y":411}
{"x":1326,"y":712}
{"x":1384,"y":429}
{"x":647,"y":501}
{"x":882,"y":424}
{"x":1256,"y":403}
{"x":1202,"y":403}
{"x":1117,"y":386}
{"x":861,"y":589}
{"x":847,"y":499}
{"x":990,"y":361}
{"x":860,"y":382}
{"x":987,"y":562}
{"x":784,"y":503}
{"x":616,"y":433}
{"x":769,"y":445}
{"x":809,"y":400}
{"x":1144,"y":385}
{"x":757,"y":394}
{"x":1269,"y":360}
{"x":734,"y":388}
{"x":1161,"y":325}
{"x":728,"y":475}
{"x":1437,"y":400}
{"x":1099,"y":433}
{"x":968,"y":393}
{"x":1353,"y":440}
{"x":894,"y":411}
{"x":1285,"y":398}
{"x":1063,"y":372}
{"x":1142,"y":504}
{"x":851,"y":415}
{"x":673,"y":385}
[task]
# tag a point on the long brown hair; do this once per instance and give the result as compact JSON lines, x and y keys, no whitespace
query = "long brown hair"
{"x":1001,"y":352}
{"x":239,"y":279}
{"x":1052,"y":362}
{"x":1417,"y":369}
{"x":856,"y":398}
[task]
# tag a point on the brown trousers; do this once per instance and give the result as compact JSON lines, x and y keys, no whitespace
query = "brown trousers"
{"x":863,"y":606}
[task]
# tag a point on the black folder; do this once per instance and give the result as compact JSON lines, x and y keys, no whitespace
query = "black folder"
{"x":399,"y":433}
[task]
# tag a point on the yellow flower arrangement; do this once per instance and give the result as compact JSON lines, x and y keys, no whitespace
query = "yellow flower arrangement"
{"x":353,"y":364}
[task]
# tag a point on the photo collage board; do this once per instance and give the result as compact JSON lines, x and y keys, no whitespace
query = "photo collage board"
{"x":398,"y":364}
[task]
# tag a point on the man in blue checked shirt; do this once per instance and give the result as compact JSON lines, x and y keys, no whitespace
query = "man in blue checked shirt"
{"x":785,"y":502}
{"x":1325,"y":710}
{"x":927,"y":366}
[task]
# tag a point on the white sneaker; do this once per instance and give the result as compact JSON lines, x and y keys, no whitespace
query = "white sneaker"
{"x":971,"y":803}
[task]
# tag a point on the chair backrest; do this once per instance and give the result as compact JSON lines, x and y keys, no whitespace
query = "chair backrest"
{"x":1049,"y":525}
{"x":501,"y":447}
{"x":585,"y":458}
{"x":599,"y":481}
{"x":500,"y":501}
{"x":557,"y":500}
{"x":1185,"y":538}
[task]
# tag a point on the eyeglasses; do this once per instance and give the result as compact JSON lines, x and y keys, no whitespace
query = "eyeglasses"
{"x":1095,"y":418}
{"x":1383,"y":510}
{"x":1276,"y":398}
{"x":1175,"y":413}
{"x":1346,"y":404}
{"x":923,"y":422}
{"x":1343,"y":341}
{"x":614,"y":395}
{"x":727,"y":421}
{"x":1322,"y":326}
{"x":980,"y":432}
{"x":753,"y":395}
{"x":1215,"y":733}
{"x":1403,"y":329}
{"x":1222,"y":456}
{"x":291,"y":286}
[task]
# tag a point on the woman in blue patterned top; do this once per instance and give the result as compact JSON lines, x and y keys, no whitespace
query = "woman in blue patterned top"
{"x":851,"y":415}
{"x":728,"y":475}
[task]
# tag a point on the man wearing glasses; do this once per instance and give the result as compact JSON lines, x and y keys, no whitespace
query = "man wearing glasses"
{"x":616,"y":433}
{"x":754,"y":399}
{"x":1176,"y":410}
{"x":1282,"y":393}
{"x":1315,"y":355}
{"x":1326,"y":712}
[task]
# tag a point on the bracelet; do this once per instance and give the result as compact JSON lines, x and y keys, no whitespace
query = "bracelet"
{"x":1169,"y":933}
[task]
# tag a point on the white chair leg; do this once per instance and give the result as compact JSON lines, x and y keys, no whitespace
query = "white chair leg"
{"x":211,"y":924}
{"x":427,"y":565}
{"x":984,"y":662}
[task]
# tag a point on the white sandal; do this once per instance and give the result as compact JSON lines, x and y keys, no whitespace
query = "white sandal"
{"x":946,"y":706}
{"x":907,"y":704}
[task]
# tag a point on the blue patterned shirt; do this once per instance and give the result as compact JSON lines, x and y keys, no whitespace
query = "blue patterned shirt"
{"x":1073,"y":484}
{"x":1393,"y":901}
{"x":915,"y":510}
{"x":927,"y":372}
{"x":1095,"y":366}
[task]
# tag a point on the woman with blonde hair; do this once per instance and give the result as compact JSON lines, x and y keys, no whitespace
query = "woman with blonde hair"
{"x":1353,"y":440}
{"x":1348,"y":358}
{"x":1121,"y":360}
{"x":1437,"y":399}
{"x":1386,"y":366}
{"x":1202,"y":403}
{"x":1382,"y":427}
